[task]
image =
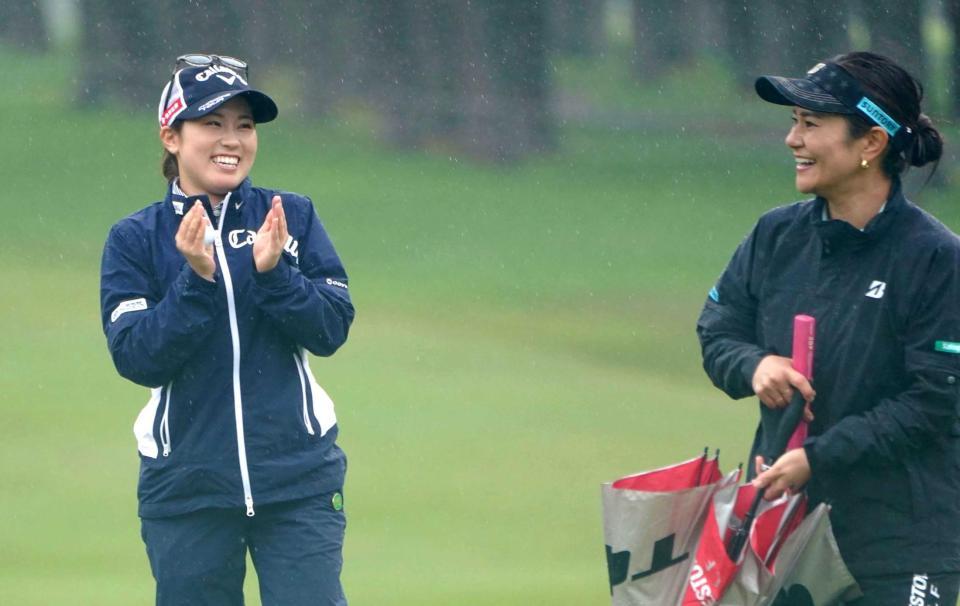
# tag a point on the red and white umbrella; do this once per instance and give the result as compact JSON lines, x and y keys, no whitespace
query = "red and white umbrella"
{"x":667,"y":533}
{"x":652,"y":524}
{"x":686,"y":535}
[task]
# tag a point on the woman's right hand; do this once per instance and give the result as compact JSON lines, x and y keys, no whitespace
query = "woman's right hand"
{"x":190,"y":242}
{"x":774,"y":381}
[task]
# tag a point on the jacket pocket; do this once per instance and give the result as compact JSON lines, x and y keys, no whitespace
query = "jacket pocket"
{"x":145,"y":427}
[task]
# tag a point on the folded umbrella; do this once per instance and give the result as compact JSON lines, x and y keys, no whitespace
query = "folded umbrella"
{"x":790,"y":559}
{"x":652,"y":522}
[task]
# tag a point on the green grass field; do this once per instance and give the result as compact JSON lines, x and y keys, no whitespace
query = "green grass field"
{"x":522,"y":335}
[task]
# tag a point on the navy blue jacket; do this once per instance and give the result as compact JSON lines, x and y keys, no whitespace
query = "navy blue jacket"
{"x":884,"y":448}
{"x":235,"y":416}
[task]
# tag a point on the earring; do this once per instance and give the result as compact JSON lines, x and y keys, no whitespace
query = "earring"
{"x":864,"y":163}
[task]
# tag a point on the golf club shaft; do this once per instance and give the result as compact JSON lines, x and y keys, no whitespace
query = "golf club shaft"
{"x":788,"y":422}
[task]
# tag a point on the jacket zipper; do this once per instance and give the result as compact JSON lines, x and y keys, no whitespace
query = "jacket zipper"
{"x":303,"y":394}
{"x":235,"y":337}
{"x":165,"y":423}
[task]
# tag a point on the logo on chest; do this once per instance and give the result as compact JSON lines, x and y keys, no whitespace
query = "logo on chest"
{"x":876,"y":290}
{"x":238,"y":238}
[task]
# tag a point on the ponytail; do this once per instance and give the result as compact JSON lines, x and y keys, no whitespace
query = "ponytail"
{"x":927,"y":144}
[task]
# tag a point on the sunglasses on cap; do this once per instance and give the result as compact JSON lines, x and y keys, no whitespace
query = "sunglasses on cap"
{"x":203,"y":60}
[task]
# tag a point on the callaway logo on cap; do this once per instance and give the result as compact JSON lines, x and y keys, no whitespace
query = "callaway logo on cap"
{"x":196,"y":91}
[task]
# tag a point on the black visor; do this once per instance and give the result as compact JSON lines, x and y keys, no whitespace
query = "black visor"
{"x":801,"y":92}
{"x":830,"y":89}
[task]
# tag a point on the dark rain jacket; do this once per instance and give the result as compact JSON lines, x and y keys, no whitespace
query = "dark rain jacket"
{"x":884,"y":448}
{"x":235,"y":415}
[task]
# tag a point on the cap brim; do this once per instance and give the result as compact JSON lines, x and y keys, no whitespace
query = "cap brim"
{"x":262,"y":106}
{"x":800,"y":92}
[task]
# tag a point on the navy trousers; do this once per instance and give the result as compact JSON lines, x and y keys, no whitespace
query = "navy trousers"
{"x":199,"y":558}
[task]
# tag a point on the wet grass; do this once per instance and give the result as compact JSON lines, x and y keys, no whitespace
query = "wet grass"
{"x":523,"y":334}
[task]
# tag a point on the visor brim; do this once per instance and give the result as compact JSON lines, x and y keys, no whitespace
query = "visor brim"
{"x":262,"y":106}
{"x":799,"y":92}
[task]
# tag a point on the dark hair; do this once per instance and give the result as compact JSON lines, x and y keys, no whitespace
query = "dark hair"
{"x":168,"y":164}
{"x":899,"y":94}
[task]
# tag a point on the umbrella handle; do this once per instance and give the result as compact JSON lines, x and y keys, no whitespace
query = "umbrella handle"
{"x":788,"y":423}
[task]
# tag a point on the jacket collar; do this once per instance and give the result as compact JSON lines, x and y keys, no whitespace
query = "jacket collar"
{"x":179,"y":202}
{"x":836,"y":231}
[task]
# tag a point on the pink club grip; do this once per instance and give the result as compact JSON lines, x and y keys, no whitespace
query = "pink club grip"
{"x":804,"y":328}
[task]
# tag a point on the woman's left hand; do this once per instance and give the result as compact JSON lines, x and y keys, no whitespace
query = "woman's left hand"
{"x":271,"y":238}
{"x":788,"y":474}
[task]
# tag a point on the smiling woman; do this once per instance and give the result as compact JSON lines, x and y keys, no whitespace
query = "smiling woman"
{"x":212,"y":298}
{"x":215,"y":152}
{"x":882,"y":279}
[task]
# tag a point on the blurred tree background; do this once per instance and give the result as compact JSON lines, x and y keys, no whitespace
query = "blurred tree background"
{"x":472,"y":76}
{"x":531,"y":198}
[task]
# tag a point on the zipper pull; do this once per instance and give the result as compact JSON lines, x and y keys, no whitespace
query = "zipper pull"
{"x":249,"y":501}
{"x":165,"y":436}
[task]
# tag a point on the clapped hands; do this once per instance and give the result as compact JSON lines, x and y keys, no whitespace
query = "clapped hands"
{"x":271,"y":238}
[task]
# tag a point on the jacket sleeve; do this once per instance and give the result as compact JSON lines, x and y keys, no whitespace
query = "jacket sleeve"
{"x":308,"y":301}
{"x":150,"y":335}
{"x":927,"y":409}
{"x":727,"y":324}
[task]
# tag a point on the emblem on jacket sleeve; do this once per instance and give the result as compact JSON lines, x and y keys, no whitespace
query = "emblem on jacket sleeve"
{"x":947,"y":347}
{"x":131,"y":305}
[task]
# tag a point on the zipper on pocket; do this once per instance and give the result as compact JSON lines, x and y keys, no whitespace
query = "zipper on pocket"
{"x":165,"y":423}
{"x":303,"y":395}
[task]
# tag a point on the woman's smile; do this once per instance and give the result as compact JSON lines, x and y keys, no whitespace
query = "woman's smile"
{"x":228,"y":163}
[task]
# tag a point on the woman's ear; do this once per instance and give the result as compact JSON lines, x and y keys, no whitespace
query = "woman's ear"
{"x":170,"y":139}
{"x":874,"y":142}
